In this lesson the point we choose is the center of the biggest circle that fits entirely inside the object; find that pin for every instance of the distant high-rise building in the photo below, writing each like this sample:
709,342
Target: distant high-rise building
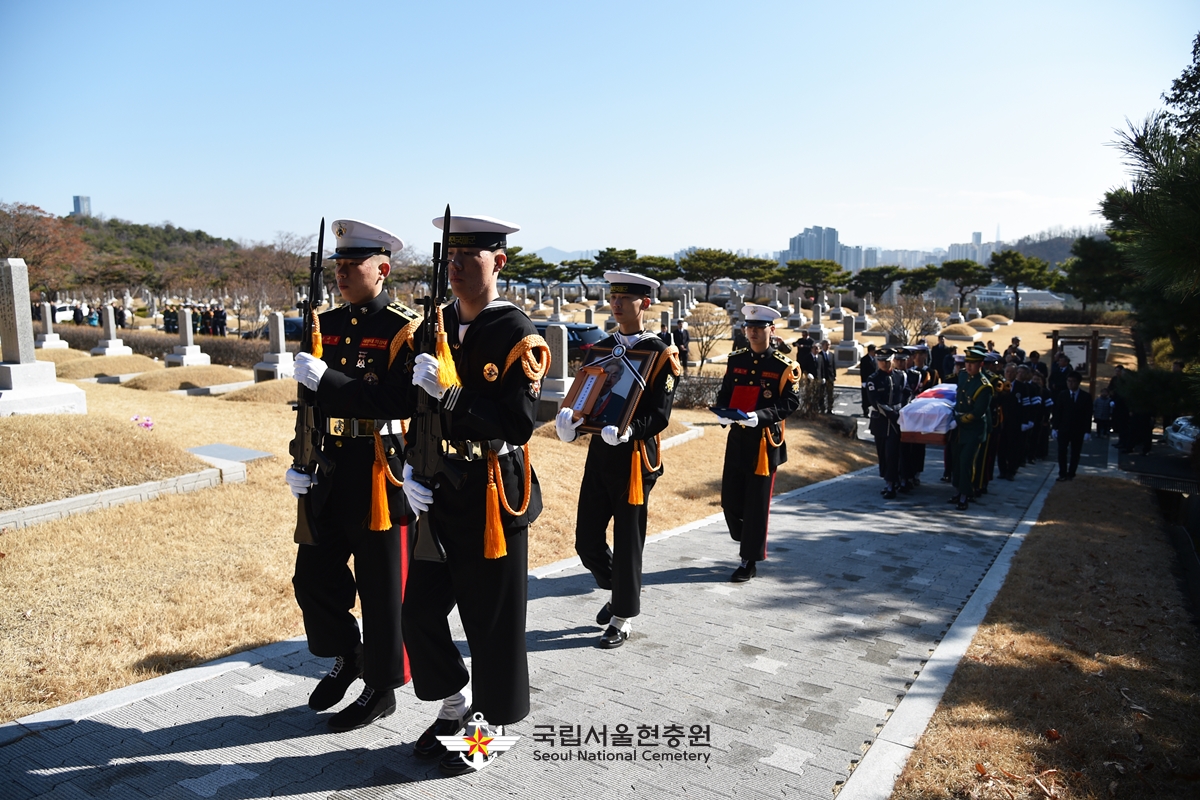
83,206
977,238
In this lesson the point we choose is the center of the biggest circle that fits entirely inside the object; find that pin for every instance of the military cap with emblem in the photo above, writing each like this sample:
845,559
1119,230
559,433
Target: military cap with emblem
759,315
630,283
357,239
484,233
975,353
883,354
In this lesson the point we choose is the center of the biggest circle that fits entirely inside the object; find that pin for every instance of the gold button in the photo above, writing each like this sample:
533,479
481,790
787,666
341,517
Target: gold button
353,321
338,443
347,340
391,451
343,361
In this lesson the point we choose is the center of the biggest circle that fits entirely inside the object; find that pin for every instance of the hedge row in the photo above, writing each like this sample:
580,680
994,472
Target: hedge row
221,349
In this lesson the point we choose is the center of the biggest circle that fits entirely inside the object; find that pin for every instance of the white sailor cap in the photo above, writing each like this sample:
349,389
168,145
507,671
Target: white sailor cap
484,233
630,283
358,239
759,315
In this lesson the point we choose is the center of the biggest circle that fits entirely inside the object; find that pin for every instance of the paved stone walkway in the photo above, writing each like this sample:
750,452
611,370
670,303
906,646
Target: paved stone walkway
766,689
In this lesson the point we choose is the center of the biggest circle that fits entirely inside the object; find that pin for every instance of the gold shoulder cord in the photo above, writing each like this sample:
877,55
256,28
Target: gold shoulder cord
405,336
534,355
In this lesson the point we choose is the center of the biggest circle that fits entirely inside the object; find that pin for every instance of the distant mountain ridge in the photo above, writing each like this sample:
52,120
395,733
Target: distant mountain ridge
552,255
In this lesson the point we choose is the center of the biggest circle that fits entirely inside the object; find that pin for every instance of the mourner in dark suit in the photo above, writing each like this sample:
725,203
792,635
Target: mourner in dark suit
357,340
763,383
1072,423
866,366
623,465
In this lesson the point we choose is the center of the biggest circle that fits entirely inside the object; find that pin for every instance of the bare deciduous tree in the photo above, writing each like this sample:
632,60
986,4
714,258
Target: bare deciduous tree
707,325
909,320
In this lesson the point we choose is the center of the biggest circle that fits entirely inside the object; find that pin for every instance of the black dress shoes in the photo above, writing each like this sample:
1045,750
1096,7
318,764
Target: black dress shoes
428,746
612,638
332,688
963,505
370,706
744,573
605,615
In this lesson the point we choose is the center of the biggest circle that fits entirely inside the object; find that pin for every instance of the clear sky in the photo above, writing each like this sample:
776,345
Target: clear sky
651,125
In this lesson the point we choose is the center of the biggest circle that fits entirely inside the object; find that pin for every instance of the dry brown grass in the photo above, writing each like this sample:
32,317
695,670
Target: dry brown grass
193,377
79,455
61,355
1084,673
104,366
282,390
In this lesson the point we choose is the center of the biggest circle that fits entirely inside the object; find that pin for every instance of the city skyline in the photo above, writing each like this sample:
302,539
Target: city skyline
655,126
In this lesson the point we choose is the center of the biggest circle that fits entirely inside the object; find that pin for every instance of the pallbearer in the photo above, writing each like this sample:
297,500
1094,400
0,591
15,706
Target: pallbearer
623,464
761,385
485,379
362,344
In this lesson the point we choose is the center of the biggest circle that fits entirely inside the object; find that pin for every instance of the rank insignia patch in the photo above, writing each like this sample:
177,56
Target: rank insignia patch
535,389
371,378
670,383
767,393
490,372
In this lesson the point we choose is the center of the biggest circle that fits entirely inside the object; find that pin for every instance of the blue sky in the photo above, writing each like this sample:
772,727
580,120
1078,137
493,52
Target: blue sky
652,125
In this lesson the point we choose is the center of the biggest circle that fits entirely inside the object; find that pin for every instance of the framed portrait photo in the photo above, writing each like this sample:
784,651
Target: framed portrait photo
608,386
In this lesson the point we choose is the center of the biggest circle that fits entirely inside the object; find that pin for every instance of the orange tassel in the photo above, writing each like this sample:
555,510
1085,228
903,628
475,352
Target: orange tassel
381,515
763,466
314,344
494,545
447,372
635,477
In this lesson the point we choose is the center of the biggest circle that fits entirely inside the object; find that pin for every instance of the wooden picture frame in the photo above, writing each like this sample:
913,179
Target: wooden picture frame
613,400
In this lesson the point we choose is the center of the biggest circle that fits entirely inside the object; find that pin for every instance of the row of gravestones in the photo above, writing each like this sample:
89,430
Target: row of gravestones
29,386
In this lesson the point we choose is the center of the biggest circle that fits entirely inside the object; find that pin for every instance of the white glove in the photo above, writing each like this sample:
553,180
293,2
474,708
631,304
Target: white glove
309,370
420,497
298,482
1028,426
751,420
565,425
723,420
425,375
609,434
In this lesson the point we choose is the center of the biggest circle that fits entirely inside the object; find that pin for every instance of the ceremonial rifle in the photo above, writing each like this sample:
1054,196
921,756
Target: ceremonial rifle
306,446
429,464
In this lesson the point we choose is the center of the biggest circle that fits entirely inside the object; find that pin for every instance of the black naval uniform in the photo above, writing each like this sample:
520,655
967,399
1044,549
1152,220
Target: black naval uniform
355,342
768,384
604,491
885,392
495,409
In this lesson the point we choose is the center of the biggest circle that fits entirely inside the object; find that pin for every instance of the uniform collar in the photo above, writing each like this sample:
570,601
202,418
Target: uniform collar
378,303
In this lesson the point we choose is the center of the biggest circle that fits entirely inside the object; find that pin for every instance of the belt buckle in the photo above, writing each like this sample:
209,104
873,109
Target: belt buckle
474,451
337,426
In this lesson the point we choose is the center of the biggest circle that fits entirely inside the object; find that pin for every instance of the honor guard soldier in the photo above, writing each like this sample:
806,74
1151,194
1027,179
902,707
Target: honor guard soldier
763,384
972,412
360,340
622,465
486,382
885,392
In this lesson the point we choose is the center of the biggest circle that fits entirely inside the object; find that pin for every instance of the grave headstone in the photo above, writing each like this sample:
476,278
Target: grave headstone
973,312
835,312
955,312
187,352
556,384
664,322
48,339
27,386
589,316
537,302
861,321
277,361
869,305
816,330
110,345
556,314
848,351
602,301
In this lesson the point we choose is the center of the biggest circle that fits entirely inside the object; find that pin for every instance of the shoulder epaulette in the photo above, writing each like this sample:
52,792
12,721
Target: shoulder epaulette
404,337
669,356
739,352
397,307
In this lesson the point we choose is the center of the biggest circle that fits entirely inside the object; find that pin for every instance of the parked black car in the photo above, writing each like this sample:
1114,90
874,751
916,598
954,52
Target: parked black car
580,338
293,329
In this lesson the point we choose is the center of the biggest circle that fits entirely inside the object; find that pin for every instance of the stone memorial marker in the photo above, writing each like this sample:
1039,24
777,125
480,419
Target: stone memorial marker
817,331
601,302
589,316
973,312
556,314
277,361
848,351
110,345
48,339
861,321
27,386
556,384
187,352
537,302
956,312
835,312
665,322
